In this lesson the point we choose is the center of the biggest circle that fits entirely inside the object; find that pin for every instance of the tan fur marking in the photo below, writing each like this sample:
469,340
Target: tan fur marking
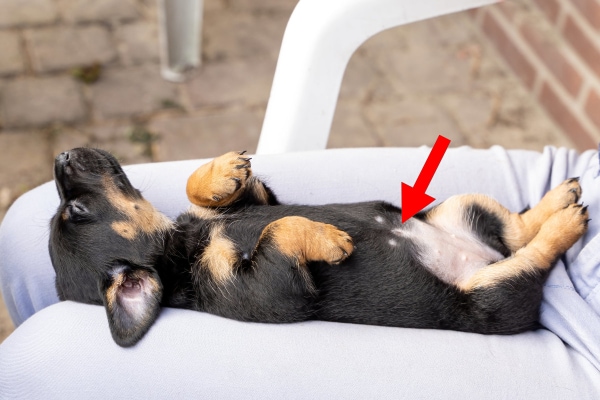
500,271
220,256
556,235
307,240
214,184
140,215
111,292
125,229
259,190
203,212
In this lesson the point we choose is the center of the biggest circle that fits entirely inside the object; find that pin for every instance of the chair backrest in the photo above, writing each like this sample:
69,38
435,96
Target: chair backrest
319,40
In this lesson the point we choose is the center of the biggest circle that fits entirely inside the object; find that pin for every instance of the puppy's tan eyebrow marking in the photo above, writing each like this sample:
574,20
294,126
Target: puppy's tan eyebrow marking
140,215
125,229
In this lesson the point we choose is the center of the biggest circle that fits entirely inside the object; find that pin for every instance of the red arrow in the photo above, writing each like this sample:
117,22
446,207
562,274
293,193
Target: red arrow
414,198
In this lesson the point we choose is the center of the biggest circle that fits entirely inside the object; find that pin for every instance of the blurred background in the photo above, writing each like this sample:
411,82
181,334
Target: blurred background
521,74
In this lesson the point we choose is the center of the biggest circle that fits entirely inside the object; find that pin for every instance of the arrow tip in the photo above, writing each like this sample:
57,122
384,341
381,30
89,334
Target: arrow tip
413,201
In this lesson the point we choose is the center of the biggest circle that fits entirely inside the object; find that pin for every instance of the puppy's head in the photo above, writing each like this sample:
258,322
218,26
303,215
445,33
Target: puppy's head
105,240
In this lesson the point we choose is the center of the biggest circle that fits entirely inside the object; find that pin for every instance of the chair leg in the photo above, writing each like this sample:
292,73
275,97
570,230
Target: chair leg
180,31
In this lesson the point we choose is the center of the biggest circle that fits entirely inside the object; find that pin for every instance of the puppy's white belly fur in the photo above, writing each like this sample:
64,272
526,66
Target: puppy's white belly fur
451,252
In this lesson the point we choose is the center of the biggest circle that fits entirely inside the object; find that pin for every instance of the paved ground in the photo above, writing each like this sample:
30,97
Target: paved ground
402,88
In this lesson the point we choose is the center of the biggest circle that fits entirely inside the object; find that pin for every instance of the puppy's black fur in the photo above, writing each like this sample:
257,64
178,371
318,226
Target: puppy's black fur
465,265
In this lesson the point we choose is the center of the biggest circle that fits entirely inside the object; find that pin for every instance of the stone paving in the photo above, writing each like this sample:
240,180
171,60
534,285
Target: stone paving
402,88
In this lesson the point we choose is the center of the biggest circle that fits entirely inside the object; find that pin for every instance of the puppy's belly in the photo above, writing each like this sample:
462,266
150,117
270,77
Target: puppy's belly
452,254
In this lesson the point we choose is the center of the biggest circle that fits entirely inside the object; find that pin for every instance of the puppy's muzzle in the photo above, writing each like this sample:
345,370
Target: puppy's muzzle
67,169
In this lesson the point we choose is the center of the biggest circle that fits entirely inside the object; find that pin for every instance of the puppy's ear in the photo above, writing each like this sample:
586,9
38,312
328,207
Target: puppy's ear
131,296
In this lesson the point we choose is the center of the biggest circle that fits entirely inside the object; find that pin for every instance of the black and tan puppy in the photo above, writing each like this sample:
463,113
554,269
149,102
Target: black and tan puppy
467,264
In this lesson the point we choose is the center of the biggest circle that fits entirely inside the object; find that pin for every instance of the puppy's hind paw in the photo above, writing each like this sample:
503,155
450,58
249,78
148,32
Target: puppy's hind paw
565,227
565,194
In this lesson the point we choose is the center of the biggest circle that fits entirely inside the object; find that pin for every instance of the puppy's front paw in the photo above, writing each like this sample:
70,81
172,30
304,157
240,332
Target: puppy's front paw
330,244
218,183
308,240
229,174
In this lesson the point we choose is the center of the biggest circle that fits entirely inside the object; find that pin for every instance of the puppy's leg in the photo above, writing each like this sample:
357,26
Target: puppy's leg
556,235
494,223
304,240
226,180
295,238
562,196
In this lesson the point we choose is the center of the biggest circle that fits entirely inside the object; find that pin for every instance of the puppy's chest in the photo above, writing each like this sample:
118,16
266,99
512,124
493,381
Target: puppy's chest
217,248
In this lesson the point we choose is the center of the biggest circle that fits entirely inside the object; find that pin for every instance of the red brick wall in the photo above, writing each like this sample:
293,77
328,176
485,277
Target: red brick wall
553,46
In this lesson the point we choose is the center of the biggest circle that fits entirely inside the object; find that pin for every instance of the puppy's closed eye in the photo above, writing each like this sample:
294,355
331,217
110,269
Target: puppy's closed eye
76,212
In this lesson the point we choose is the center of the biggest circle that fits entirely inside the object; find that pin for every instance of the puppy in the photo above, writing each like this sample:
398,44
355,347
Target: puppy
467,264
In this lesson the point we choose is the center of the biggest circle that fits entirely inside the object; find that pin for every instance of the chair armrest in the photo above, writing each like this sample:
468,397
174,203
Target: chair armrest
319,40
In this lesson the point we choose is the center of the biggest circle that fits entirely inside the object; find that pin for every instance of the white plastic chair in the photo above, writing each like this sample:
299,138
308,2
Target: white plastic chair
65,350
319,40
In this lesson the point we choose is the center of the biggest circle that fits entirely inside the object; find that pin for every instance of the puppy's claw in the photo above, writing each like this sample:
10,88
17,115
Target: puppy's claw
241,152
339,260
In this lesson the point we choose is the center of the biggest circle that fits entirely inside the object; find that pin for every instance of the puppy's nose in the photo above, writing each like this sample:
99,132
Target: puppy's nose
63,158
